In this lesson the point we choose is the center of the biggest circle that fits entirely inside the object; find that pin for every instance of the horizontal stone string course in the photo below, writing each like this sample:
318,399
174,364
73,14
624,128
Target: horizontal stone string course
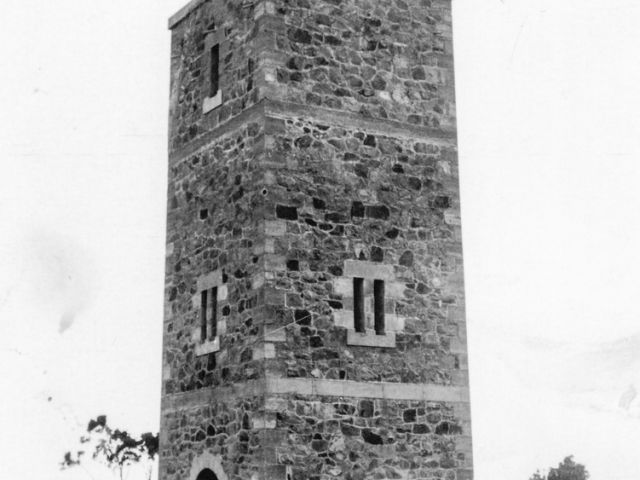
320,387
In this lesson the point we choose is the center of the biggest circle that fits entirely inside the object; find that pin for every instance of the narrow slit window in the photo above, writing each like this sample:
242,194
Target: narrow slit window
378,306
203,315
214,73
209,314
358,305
214,312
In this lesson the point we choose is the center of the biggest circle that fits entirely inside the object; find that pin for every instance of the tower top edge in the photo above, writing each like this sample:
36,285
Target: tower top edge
183,12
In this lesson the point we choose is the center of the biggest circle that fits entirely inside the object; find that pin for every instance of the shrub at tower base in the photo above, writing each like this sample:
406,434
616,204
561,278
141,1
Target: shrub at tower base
114,448
567,470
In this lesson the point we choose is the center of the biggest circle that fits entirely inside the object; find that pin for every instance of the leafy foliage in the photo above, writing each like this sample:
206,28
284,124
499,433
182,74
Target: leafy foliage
568,469
115,448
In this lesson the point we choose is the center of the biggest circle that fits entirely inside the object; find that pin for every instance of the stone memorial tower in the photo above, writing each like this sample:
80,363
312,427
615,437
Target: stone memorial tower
314,323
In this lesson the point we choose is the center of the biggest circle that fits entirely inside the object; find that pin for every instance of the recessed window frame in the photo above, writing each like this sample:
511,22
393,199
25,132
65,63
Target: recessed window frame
214,51
209,314
378,306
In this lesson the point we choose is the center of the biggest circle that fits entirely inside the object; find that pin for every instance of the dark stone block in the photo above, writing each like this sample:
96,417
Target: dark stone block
331,40
357,209
335,270
378,211
335,304
370,141
300,36
319,203
293,265
366,408
335,217
409,415
319,445
420,429
377,254
302,317
447,428
406,259
392,234
414,183
286,212
442,201
370,437
349,430
378,83
418,73
344,408
303,142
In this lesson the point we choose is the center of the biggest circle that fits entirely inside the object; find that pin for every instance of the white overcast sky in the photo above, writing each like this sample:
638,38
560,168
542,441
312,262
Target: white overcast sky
549,135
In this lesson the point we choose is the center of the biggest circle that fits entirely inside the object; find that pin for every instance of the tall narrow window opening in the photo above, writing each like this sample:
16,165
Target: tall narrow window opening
203,315
378,306
214,73
214,312
358,305
209,314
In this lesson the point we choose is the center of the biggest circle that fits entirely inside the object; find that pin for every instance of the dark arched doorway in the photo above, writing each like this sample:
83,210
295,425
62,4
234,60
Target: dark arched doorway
206,474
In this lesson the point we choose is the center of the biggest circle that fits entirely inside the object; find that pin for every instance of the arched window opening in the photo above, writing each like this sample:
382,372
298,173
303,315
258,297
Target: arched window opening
206,474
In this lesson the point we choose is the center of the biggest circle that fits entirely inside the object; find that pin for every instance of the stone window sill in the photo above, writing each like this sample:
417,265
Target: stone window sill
211,103
371,339
210,346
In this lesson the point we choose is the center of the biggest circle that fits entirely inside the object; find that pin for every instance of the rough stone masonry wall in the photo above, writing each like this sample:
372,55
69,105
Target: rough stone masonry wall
335,142
213,224
356,439
345,194
223,429
240,77
387,59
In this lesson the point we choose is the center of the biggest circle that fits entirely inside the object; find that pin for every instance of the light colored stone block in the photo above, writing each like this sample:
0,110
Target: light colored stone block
169,250
210,103
259,11
208,347
394,290
270,75
275,404
394,323
371,339
221,327
275,228
343,286
451,218
275,263
277,335
370,270
210,280
343,318
269,245
223,293
257,281
266,421
264,352
354,389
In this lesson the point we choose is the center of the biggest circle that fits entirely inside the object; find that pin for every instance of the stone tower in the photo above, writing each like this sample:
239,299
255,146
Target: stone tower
314,324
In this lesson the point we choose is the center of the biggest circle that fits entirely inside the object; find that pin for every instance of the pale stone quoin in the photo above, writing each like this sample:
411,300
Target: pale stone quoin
314,299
